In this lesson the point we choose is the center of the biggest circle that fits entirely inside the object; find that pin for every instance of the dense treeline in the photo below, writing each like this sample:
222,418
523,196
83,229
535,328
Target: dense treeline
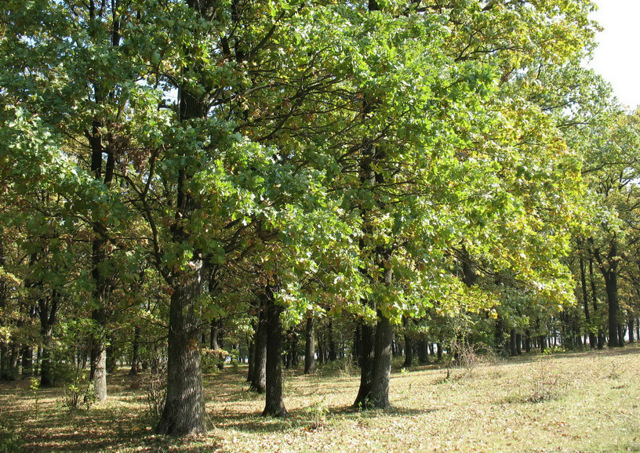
186,183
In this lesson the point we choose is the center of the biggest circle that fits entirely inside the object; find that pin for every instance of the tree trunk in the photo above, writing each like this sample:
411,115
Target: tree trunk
48,310
309,348
408,352
183,412
423,351
408,345
135,355
274,404
513,349
333,356
379,396
258,380
585,302
366,366
611,284
499,337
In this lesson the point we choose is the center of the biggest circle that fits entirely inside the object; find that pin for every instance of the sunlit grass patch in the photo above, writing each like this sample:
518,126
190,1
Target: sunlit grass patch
568,402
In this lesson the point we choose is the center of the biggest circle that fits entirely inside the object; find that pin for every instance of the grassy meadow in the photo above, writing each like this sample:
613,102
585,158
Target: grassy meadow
573,402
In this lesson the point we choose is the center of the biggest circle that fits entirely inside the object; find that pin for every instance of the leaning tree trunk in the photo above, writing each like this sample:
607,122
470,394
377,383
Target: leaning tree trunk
183,412
274,404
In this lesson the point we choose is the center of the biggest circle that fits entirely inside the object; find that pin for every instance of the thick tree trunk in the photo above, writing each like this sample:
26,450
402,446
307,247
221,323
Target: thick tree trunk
379,396
513,349
527,341
98,374
609,270
258,380
309,348
274,404
366,366
183,412
423,351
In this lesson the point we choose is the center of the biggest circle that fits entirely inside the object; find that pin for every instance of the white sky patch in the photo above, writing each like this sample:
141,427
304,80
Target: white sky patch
617,58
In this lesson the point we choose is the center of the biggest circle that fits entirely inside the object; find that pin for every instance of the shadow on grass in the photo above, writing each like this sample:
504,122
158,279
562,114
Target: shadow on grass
303,418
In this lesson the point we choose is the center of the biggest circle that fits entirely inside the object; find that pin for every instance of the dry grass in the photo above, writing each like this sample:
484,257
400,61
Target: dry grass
571,402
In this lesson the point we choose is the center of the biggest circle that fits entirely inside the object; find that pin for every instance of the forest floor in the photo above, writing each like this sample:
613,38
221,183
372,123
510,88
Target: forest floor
573,402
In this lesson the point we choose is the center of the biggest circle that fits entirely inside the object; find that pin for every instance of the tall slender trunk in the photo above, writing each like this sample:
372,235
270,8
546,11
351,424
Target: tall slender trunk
333,355
274,403
48,310
585,302
408,345
611,285
135,354
594,297
309,348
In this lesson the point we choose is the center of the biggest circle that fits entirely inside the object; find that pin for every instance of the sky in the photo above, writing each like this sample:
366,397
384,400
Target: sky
617,58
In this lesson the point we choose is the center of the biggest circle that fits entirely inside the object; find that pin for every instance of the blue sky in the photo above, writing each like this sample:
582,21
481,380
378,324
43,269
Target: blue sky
617,58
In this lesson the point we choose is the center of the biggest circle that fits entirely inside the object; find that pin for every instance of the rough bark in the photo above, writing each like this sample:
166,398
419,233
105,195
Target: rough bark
274,403
366,366
183,412
379,395
258,381
609,268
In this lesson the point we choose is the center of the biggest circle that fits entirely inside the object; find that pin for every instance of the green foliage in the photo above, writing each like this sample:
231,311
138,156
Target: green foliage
430,161
79,393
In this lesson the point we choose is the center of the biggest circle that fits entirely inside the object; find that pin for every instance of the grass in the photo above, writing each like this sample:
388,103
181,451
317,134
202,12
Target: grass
582,402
